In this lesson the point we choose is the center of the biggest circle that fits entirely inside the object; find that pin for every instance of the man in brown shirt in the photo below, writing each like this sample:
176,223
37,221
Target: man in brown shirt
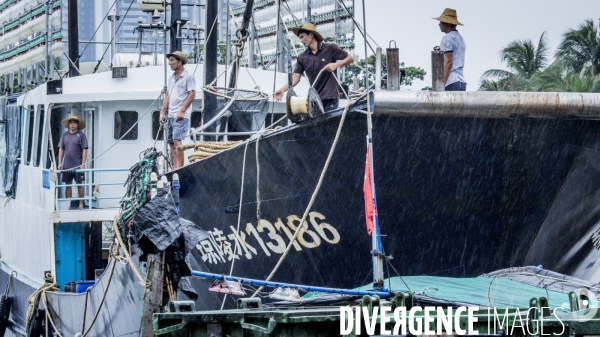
318,56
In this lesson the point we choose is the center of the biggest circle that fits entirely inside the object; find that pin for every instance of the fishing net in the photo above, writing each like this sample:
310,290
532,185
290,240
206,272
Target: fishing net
247,108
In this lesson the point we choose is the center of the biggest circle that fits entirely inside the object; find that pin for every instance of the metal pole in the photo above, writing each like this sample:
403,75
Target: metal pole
337,22
393,67
227,46
73,39
280,40
140,37
437,69
210,48
165,44
308,11
113,21
48,37
251,45
377,68
375,238
175,16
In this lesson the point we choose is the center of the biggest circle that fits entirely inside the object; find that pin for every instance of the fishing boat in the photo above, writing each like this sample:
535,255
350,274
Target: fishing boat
466,183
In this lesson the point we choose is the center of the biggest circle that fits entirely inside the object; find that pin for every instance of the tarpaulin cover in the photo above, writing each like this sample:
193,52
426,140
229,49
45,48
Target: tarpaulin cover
158,222
512,287
162,229
13,148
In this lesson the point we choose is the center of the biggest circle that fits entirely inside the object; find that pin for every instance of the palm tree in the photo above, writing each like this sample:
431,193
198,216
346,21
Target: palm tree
580,48
559,77
523,59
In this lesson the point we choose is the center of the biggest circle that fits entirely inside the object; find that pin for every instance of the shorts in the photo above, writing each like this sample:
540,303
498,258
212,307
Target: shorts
456,86
68,176
177,130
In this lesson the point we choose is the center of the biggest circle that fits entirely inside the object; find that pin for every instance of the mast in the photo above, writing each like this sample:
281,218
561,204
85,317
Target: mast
377,251
73,39
210,63
176,44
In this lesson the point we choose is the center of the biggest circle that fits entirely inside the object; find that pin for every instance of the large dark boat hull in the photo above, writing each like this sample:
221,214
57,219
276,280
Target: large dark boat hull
456,197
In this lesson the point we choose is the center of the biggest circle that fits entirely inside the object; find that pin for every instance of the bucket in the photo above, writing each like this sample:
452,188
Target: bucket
70,287
63,205
81,286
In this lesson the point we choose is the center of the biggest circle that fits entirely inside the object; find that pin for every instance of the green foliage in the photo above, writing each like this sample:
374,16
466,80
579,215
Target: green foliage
353,71
575,69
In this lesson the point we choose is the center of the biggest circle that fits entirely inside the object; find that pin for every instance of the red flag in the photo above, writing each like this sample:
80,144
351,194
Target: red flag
370,210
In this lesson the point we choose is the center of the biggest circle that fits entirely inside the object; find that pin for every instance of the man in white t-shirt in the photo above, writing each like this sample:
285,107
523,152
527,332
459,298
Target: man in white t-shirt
181,91
453,47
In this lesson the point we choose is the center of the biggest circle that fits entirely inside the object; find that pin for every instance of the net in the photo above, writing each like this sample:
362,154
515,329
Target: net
247,108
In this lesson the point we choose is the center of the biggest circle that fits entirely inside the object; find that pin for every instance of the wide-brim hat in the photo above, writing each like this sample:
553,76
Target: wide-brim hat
309,27
179,55
449,16
65,122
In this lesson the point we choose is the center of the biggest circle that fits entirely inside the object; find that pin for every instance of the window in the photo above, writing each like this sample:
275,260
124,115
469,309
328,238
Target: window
30,124
37,158
125,120
156,126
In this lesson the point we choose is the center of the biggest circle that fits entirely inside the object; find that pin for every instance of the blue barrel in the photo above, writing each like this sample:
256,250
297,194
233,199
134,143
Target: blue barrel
81,286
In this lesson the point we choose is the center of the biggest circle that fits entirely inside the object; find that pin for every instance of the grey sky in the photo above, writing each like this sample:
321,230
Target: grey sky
488,27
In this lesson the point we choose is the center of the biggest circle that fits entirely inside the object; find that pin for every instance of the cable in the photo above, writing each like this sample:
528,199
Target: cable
123,136
91,38
113,37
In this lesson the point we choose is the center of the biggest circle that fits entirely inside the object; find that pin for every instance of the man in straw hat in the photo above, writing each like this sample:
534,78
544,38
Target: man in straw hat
72,154
453,47
318,56
181,91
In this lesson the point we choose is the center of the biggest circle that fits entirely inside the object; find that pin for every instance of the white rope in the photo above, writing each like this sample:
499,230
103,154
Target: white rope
314,195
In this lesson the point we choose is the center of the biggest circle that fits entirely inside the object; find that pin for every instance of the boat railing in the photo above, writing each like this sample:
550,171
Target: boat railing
92,184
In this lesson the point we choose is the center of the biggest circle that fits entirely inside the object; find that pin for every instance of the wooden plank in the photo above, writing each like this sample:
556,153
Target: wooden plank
153,296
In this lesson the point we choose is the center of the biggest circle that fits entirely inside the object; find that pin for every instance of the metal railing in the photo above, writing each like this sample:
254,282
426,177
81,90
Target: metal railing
90,183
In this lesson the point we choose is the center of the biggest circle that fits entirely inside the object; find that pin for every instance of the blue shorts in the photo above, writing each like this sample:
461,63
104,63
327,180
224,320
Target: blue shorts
69,175
456,86
178,130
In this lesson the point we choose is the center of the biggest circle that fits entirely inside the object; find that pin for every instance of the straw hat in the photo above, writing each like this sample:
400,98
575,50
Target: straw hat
65,122
309,27
179,55
449,16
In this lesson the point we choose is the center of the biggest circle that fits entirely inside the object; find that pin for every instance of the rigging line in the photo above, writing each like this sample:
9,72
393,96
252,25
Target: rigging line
360,27
239,213
113,37
205,40
287,8
257,40
315,192
91,38
397,273
123,136
288,34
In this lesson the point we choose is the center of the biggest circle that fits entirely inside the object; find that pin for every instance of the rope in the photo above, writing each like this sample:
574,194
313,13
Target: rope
206,149
112,270
34,298
239,221
87,293
129,260
314,195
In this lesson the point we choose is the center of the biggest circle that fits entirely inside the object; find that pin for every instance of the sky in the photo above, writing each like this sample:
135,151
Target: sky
488,27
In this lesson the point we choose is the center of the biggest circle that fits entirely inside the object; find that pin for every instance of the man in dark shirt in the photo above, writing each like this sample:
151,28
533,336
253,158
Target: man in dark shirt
72,154
318,56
